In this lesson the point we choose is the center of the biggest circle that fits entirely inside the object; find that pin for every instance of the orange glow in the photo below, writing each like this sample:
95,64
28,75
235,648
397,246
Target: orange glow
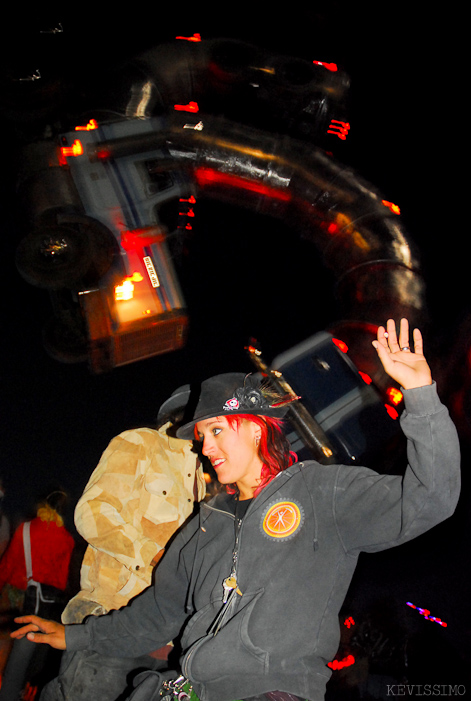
393,207
195,37
75,150
339,128
341,345
254,350
330,66
125,291
190,107
209,176
394,395
92,124
366,378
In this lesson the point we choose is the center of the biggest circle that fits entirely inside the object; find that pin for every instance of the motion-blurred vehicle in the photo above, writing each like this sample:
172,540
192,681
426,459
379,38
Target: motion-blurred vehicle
97,243
339,415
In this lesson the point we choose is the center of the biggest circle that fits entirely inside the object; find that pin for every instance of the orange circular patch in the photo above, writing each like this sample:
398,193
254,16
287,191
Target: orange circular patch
282,519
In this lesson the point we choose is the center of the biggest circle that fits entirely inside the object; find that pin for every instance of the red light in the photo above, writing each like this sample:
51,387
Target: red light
366,378
209,176
195,37
395,395
426,614
29,693
131,240
190,107
339,128
333,228
330,66
340,664
341,345
102,153
393,207
391,411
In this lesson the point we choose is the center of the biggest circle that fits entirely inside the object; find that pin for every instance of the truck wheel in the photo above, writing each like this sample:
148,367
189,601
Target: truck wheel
63,342
53,257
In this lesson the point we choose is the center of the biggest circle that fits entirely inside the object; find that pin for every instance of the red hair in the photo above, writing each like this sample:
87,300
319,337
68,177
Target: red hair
274,449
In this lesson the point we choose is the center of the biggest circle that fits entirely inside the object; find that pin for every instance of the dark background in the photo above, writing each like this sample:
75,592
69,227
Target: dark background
408,137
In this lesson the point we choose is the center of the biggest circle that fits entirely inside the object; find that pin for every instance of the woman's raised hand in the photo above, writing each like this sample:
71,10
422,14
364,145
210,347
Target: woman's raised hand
405,364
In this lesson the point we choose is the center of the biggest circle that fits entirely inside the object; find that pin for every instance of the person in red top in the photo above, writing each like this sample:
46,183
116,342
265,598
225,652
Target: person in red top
37,562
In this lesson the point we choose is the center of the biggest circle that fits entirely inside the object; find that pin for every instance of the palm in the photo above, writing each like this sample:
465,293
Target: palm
408,367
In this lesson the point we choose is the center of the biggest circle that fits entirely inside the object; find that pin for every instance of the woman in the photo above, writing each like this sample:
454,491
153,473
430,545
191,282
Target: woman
255,583
36,563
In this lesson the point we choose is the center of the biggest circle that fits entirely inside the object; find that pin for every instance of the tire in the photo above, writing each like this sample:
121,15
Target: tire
53,257
64,342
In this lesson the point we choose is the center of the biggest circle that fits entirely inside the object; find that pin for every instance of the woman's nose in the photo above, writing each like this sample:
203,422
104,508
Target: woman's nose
208,446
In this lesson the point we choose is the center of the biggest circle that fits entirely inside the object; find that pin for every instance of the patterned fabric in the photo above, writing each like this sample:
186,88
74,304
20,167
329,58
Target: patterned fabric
141,492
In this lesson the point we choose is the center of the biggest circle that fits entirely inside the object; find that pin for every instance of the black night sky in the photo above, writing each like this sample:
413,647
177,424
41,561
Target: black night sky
407,138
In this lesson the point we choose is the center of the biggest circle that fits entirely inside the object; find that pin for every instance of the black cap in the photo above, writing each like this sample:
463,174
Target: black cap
174,405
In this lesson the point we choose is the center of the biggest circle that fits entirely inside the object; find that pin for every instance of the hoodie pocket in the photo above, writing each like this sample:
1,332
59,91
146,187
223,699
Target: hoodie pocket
215,656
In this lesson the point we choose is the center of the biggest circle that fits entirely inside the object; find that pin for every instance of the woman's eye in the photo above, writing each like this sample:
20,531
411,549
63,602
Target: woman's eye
216,431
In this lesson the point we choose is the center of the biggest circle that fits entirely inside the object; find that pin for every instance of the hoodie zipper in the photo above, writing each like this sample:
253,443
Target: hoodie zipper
230,586
231,591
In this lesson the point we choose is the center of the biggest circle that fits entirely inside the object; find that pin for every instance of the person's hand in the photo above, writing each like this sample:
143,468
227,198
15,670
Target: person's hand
404,364
40,630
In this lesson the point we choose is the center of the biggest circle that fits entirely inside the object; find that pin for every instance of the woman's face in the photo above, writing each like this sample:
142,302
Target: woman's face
233,452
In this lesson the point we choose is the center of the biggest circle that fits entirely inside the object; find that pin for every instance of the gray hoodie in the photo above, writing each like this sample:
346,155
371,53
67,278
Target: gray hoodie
297,550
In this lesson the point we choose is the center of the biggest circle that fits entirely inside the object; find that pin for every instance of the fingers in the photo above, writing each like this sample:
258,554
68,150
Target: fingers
32,624
29,619
40,630
404,343
418,342
394,343
392,336
21,632
51,635
387,338
382,338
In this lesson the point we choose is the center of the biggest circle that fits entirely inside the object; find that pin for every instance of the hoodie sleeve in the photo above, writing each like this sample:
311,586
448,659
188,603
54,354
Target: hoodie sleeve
374,512
151,619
